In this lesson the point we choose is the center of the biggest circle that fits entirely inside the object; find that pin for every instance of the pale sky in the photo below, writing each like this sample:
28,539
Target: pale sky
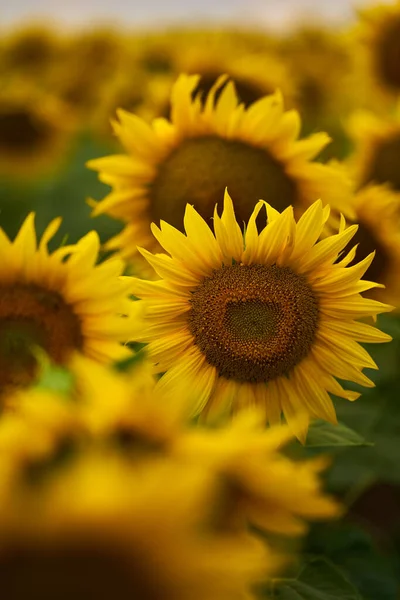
145,13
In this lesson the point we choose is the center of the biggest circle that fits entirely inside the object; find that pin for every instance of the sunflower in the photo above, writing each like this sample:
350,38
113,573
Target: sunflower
30,50
255,152
270,319
60,302
250,480
380,236
88,63
117,536
379,34
377,148
35,130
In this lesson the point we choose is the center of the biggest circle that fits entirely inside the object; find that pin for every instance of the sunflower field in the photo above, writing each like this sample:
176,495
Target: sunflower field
199,312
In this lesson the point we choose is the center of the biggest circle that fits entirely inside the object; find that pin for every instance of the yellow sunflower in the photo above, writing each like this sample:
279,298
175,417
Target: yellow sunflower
29,50
116,536
379,34
377,148
35,130
254,151
381,236
269,319
60,302
250,480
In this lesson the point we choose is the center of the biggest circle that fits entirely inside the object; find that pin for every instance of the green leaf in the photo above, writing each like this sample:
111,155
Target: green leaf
317,580
323,434
56,379
131,362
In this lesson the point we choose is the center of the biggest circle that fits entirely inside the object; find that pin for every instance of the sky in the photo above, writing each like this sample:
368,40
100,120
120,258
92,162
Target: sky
277,14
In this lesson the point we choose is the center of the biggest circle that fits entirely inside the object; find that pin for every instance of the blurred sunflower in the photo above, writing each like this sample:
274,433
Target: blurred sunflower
269,319
255,74
35,130
379,33
89,62
30,50
381,236
255,152
60,302
117,536
253,482
259,485
376,154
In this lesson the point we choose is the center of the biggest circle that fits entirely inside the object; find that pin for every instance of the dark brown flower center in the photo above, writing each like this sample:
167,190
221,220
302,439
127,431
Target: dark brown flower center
198,171
247,91
254,322
32,317
385,163
21,131
387,59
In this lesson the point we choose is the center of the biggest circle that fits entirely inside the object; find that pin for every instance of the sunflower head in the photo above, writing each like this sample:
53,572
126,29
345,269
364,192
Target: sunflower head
30,50
116,535
377,148
204,148
35,130
269,318
57,302
379,33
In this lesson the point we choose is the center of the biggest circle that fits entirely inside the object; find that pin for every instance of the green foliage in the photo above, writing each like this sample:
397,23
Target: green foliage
54,378
373,571
317,579
325,435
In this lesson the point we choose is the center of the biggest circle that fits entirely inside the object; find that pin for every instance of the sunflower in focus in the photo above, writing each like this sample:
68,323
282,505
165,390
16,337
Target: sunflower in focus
381,236
268,319
35,130
379,33
376,154
60,302
203,149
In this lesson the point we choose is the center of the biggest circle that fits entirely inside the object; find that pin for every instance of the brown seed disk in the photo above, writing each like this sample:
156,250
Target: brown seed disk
199,170
31,316
21,132
254,322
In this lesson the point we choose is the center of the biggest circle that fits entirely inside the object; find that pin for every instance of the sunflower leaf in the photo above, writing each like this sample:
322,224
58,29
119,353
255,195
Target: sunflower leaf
56,379
323,434
318,580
